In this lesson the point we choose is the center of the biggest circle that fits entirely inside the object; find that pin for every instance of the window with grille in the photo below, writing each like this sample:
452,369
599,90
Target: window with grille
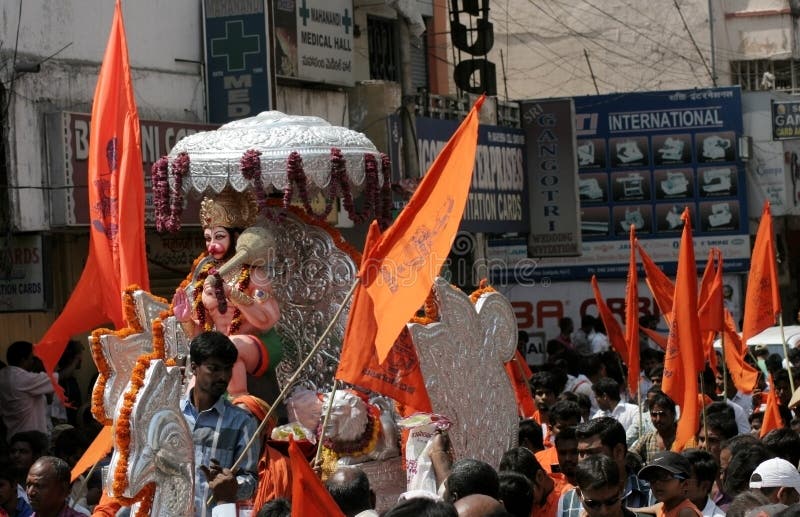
765,74
384,62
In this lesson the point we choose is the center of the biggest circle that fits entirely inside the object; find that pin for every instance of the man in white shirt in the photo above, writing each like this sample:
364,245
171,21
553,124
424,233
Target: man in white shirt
704,473
606,391
23,394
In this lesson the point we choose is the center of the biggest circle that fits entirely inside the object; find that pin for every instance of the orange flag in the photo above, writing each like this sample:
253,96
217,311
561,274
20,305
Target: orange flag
615,335
116,206
744,376
772,415
632,318
399,271
520,374
309,496
659,283
101,445
762,301
657,337
711,305
399,377
680,366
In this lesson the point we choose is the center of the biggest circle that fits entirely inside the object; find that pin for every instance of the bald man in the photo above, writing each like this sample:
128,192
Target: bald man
479,505
350,488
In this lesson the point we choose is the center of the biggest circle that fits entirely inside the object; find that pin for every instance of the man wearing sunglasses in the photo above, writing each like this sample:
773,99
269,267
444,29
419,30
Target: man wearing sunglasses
600,488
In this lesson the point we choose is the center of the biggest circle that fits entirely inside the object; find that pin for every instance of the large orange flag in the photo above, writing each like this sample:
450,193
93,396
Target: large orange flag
519,374
772,415
744,376
762,302
680,367
399,271
615,334
659,283
399,377
309,496
116,206
632,318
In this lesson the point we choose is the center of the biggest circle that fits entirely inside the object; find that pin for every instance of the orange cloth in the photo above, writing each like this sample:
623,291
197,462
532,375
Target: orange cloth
762,304
107,507
680,366
400,377
744,376
675,511
399,270
100,446
116,207
548,509
274,477
613,329
519,374
772,415
309,496
547,458
660,285
632,318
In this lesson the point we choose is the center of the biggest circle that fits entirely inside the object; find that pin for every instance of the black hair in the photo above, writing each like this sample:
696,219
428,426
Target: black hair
18,351
591,364
742,465
71,351
471,476
721,418
661,400
565,323
568,433
352,493
212,344
69,442
516,492
587,321
783,443
422,507
36,439
280,507
609,430
607,386
774,363
531,431
597,471
704,466
522,461
746,501
547,381
564,410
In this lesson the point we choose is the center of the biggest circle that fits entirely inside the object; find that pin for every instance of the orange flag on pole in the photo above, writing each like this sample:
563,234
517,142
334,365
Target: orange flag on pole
772,415
762,302
519,374
744,376
632,318
680,366
399,377
117,256
711,305
100,446
309,495
613,330
398,273
660,285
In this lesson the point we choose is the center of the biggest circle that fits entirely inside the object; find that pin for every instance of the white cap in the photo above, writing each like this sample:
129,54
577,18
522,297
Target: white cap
776,472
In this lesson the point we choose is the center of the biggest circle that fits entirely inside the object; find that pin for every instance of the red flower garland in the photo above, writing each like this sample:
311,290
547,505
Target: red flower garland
160,186
180,168
250,166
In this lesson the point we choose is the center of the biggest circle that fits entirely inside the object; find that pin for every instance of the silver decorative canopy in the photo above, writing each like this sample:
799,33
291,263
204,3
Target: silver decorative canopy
216,155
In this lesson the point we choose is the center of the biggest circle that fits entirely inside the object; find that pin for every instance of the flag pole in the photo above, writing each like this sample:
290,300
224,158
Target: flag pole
325,422
786,352
724,365
293,379
703,406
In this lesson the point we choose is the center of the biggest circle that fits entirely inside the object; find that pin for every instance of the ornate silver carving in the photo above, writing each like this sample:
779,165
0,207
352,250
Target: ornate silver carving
215,155
147,308
161,448
310,279
121,356
462,360
387,478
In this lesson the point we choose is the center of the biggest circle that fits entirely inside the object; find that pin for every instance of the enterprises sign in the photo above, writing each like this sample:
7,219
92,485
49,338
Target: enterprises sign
238,68
555,222
497,201
785,120
314,40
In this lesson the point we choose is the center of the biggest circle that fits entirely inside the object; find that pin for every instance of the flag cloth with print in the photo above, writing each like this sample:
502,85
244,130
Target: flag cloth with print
762,303
117,256
309,495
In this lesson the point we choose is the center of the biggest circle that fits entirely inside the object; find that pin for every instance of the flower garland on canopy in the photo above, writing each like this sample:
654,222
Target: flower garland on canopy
168,201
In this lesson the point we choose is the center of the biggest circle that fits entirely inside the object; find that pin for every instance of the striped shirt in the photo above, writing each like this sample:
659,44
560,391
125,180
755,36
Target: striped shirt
637,495
221,432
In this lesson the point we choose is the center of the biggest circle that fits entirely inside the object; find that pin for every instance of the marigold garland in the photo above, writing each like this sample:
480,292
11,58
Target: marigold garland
333,449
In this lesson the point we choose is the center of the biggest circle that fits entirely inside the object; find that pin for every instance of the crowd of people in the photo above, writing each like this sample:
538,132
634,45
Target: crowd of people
590,448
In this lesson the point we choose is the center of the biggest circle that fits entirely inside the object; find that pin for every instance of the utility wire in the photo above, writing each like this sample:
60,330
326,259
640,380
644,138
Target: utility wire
691,37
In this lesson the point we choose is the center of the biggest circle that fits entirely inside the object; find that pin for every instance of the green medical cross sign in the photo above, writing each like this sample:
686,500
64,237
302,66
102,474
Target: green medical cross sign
235,46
